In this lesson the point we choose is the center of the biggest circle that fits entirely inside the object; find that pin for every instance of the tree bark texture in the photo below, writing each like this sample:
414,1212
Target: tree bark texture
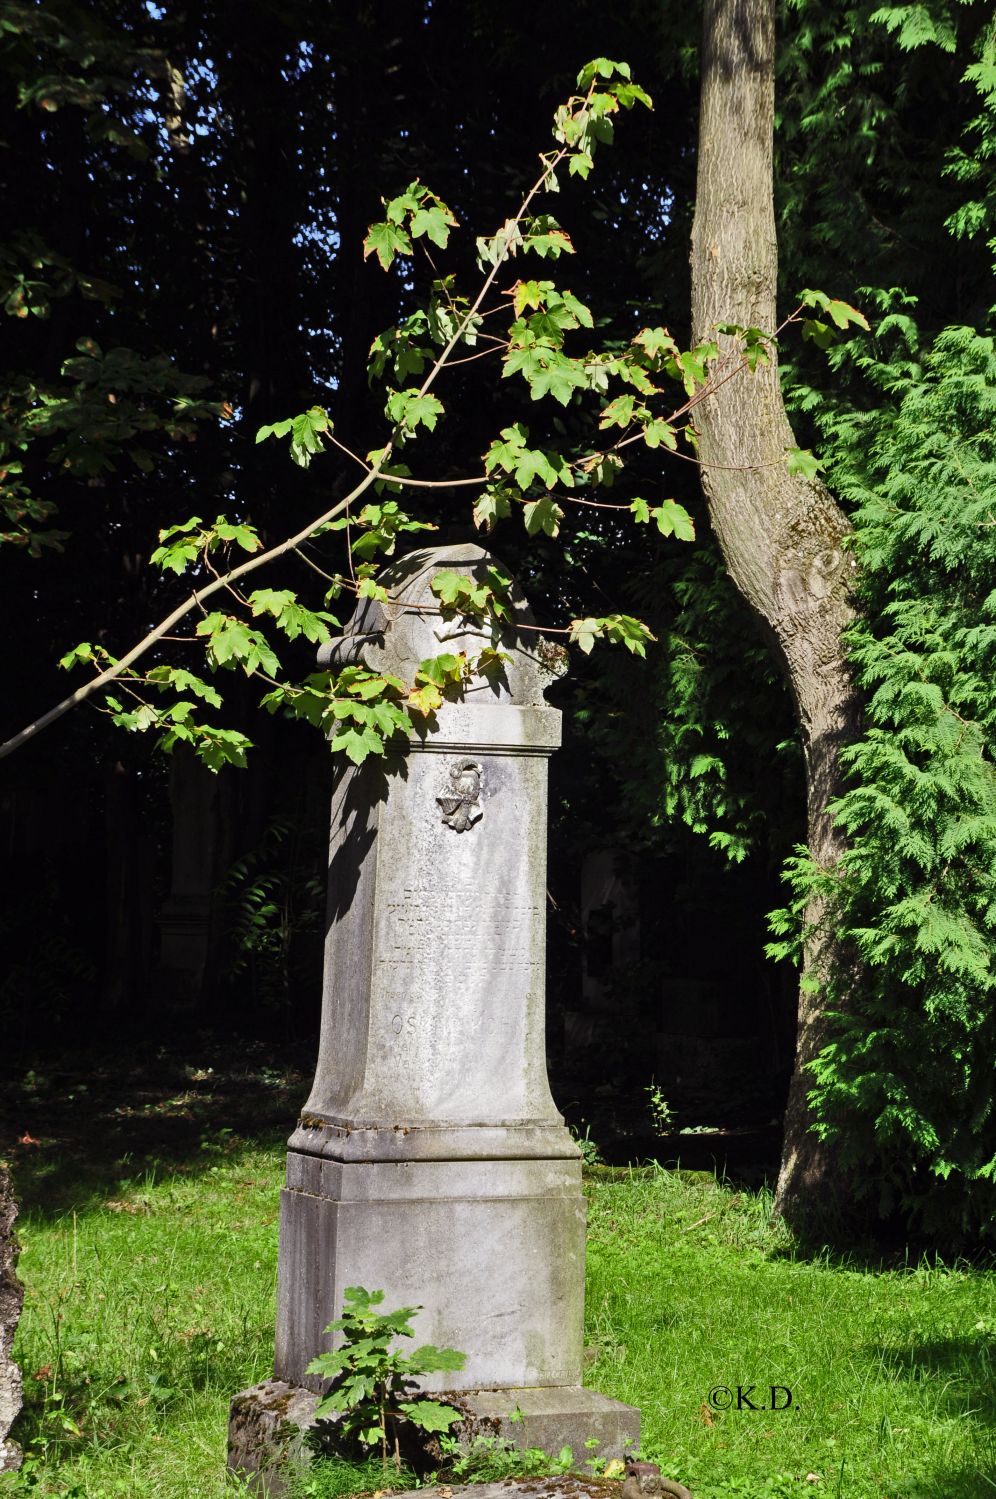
781,537
11,1300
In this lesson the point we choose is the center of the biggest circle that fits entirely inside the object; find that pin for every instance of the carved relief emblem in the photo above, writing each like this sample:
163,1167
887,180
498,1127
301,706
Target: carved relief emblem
461,804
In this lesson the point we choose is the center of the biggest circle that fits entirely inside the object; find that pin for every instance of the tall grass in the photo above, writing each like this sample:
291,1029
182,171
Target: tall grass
142,1317
145,1312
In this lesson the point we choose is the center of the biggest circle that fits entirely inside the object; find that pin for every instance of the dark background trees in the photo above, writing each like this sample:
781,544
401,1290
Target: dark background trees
214,168
231,227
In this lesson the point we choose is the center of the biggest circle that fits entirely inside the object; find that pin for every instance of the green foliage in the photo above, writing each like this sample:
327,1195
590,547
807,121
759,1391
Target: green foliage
494,1460
887,121
140,1320
291,615
661,1113
971,164
409,216
96,412
584,123
915,26
465,596
378,527
905,1085
232,642
670,518
409,409
108,408
588,1148
341,1478
510,455
837,316
305,432
802,464
33,276
184,543
711,741
620,629
373,1381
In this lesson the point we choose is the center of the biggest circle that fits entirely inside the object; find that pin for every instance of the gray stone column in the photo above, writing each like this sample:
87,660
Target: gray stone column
430,1160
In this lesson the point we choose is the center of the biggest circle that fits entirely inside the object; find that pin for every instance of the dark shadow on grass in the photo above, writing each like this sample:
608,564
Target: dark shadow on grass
77,1126
866,1242
746,1158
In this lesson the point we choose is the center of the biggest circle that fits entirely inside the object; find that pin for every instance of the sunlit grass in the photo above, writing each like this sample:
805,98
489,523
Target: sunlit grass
147,1312
891,1372
142,1319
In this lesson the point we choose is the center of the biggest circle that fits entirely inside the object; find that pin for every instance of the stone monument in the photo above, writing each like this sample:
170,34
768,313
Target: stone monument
430,1160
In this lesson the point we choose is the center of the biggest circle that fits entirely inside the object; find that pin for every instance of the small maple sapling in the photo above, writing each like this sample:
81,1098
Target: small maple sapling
374,1381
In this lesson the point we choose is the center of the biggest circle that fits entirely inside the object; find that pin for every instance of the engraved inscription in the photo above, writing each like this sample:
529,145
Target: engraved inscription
461,803
440,930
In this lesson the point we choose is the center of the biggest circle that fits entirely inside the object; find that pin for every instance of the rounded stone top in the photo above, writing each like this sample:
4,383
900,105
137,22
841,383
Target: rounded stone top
412,625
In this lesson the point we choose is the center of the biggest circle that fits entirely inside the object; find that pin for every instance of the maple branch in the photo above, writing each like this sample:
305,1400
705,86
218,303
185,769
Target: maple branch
196,600
292,543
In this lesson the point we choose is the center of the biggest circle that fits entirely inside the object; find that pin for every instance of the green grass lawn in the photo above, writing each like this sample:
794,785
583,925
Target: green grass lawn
147,1309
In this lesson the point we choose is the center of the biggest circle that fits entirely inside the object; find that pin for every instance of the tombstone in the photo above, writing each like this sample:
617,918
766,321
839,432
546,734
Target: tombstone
186,920
610,921
430,1160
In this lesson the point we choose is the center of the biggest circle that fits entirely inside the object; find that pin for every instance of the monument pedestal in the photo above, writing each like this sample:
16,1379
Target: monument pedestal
492,1250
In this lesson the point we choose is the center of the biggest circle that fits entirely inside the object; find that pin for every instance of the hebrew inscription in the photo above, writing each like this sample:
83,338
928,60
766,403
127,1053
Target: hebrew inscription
435,930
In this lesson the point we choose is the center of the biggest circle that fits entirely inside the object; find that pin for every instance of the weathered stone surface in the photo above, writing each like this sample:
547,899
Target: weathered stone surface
551,1419
267,1430
570,1486
430,1160
397,635
11,1301
433,1037
493,1251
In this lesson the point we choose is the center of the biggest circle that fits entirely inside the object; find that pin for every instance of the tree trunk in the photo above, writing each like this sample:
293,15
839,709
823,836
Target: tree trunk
781,537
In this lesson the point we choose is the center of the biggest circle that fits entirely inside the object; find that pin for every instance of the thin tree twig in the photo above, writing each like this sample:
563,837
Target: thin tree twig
481,354
403,479
314,565
196,600
698,1223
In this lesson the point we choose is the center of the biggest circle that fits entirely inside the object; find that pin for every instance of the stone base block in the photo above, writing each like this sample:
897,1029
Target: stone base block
491,1250
551,1418
269,1426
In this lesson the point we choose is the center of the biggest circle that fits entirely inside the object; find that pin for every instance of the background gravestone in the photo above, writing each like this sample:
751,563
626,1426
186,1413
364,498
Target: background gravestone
430,1160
